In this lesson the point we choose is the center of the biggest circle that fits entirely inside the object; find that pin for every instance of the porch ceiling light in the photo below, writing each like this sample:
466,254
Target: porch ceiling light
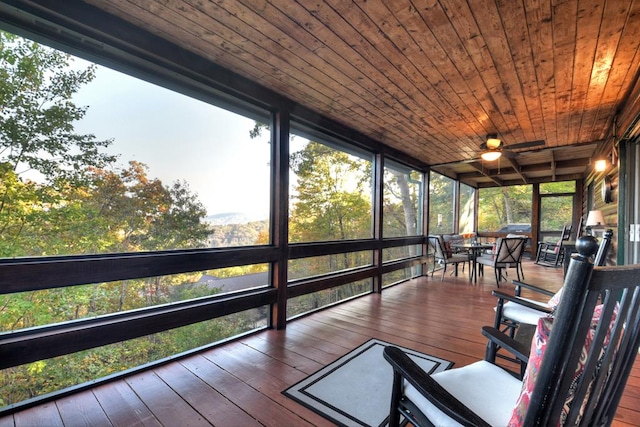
491,155
492,142
493,145
600,165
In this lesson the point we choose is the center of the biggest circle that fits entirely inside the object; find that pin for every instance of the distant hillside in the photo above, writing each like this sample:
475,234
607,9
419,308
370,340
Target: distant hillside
244,234
232,218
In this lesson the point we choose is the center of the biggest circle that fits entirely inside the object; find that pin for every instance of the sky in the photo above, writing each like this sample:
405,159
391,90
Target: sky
179,138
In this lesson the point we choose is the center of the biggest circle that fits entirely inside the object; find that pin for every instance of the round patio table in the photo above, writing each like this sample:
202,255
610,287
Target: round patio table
475,250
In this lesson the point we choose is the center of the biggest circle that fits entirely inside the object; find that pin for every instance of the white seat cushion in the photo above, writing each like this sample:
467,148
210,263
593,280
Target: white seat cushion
486,389
521,314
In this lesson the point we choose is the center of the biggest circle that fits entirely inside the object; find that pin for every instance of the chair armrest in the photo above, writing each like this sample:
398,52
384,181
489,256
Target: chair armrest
517,300
429,388
519,350
518,284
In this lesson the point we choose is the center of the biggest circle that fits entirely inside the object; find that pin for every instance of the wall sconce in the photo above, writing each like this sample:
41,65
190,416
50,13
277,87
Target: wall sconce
600,165
595,220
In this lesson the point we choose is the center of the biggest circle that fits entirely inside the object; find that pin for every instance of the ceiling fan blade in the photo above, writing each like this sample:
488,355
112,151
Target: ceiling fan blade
527,144
509,154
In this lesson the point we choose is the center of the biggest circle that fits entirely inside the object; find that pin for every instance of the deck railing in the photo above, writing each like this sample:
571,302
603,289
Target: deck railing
30,274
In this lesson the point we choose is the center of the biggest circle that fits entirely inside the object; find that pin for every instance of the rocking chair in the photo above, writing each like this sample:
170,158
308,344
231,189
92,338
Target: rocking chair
575,375
513,310
552,254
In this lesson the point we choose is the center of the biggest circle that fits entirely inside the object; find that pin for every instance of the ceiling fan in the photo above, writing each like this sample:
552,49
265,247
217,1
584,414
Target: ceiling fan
494,147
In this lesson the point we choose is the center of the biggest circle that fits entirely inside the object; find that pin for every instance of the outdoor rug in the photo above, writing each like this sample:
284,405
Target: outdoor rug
355,390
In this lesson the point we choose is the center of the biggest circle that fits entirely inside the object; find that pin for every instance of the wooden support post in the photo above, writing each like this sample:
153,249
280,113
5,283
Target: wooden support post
280,214
378,198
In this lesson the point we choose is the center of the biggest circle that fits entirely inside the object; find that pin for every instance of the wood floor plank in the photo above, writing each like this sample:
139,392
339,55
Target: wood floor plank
163,402
46,414
82,409
258,405
216,408
123,406
276,346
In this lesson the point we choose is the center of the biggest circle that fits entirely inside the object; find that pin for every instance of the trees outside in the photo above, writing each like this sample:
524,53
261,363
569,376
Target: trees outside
60,194
556,205
332,195
499,206
441,199
331,200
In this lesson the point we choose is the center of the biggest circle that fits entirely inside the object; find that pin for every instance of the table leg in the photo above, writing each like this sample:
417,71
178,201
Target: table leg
474,257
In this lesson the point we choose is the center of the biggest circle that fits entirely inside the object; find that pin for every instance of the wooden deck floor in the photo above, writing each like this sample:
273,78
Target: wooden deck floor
240,383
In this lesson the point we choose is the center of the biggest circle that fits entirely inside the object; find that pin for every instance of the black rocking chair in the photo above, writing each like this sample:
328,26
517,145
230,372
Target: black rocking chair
577,377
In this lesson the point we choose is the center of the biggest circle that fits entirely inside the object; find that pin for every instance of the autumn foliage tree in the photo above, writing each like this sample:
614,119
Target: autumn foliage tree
62,194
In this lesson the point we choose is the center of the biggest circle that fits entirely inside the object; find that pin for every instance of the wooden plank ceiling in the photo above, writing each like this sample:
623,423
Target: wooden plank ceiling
430,77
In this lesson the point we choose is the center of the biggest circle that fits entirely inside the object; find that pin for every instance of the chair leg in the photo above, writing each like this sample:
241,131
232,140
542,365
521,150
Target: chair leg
444,271
498,276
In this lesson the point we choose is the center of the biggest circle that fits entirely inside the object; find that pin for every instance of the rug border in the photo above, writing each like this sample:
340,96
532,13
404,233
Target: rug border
351,354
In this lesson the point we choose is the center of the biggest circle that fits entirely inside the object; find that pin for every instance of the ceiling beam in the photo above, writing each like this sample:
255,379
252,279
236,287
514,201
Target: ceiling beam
480,168
517,168
568,177
526,169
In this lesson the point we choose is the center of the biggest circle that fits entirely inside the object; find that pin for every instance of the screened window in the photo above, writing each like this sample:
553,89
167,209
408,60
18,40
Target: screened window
330,189
311,302
50,375
505,209
467,209
556,208
334,263
558,187
441,204
402,205
123,165
116,164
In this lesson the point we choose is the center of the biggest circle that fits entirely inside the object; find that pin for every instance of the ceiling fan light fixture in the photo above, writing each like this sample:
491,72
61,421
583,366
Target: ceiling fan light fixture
491,155
493,142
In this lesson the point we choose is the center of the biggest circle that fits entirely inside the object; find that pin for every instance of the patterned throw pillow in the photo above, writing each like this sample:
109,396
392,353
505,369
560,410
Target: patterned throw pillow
538,347
558,245
555,300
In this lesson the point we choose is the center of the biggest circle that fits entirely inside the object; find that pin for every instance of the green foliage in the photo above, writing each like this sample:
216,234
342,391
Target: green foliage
228,235
440,204
401,203
333,196
36,124
310,302
44,376
60,194
499,206
558,187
